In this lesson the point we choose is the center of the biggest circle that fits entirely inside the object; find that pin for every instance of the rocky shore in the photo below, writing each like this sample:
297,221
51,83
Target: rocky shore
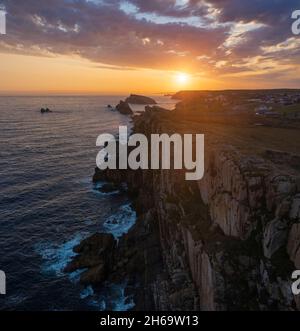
228,242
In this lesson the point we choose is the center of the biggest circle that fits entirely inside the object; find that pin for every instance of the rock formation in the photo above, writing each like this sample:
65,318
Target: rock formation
124,108
140,100
228,242
95,255
46,110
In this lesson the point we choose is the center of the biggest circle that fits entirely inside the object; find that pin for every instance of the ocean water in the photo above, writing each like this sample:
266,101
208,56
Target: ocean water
48,202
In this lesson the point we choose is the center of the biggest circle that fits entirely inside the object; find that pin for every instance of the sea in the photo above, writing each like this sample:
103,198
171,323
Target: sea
49,204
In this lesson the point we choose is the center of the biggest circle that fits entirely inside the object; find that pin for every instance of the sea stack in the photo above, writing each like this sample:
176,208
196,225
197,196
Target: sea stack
124,108
135,99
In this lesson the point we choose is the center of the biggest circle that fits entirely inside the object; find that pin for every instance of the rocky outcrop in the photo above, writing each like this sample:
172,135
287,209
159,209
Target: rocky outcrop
46,111
124,108
140,100
228,242
95,255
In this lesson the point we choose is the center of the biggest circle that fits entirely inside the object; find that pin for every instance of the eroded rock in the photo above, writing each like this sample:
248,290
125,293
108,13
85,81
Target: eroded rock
124,108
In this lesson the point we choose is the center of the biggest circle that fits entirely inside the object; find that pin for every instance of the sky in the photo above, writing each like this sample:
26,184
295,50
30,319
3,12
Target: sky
147,46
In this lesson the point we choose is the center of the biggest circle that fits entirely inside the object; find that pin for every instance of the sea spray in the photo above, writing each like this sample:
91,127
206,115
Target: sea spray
121,222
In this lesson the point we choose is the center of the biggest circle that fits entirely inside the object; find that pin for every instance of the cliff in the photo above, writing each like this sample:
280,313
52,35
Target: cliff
228,242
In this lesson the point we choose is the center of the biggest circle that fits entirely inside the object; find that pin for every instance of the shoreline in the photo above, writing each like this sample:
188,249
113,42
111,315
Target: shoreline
204,245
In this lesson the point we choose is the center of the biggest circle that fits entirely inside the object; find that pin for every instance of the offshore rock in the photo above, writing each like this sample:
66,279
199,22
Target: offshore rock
135,99
124,108
46,110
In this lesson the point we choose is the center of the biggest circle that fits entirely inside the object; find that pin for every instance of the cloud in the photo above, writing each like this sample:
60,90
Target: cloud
215,36
102,32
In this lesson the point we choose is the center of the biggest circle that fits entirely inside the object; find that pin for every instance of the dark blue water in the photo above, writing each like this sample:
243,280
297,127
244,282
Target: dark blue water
48,202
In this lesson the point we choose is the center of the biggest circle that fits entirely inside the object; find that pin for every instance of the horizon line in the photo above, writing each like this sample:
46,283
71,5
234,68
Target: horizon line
83,94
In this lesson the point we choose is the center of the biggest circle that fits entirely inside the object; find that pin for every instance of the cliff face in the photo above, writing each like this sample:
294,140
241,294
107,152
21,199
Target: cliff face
228,242
256,206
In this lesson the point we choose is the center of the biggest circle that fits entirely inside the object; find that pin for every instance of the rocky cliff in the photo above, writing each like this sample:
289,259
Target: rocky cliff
228,242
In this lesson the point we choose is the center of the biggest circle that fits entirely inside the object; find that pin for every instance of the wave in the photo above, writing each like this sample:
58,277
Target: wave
56,257
121,222
111,298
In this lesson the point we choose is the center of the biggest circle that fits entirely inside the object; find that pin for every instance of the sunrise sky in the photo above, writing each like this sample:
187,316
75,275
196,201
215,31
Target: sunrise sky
117,46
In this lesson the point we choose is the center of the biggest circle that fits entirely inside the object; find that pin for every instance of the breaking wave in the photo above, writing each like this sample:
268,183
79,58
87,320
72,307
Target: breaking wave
121,222
56,257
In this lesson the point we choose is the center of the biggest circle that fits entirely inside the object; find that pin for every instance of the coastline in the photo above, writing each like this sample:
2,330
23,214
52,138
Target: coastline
203,245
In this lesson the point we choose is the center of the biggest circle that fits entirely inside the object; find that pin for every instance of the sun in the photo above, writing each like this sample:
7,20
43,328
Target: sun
182,78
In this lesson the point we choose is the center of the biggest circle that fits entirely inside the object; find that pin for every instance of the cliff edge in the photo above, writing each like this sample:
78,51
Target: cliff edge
228,242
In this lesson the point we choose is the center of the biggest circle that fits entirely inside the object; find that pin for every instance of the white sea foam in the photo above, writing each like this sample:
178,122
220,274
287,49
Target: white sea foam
121,222
113,298
87,292
56,257
122,303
